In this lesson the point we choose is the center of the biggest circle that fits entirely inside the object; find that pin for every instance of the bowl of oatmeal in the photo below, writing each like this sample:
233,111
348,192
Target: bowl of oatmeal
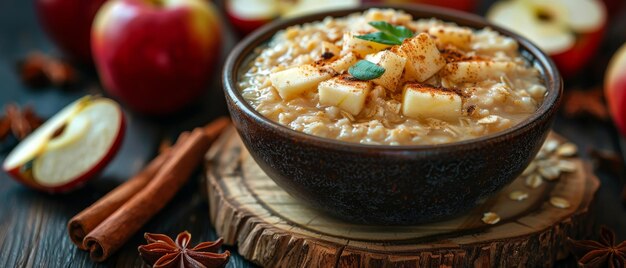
391,115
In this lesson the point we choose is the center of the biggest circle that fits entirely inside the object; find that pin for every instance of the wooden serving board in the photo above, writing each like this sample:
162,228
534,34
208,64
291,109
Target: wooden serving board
273,229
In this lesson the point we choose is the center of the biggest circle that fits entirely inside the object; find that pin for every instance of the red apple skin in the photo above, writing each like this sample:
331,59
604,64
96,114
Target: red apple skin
156,59
615,89
68,23
245,26
573,60
80,180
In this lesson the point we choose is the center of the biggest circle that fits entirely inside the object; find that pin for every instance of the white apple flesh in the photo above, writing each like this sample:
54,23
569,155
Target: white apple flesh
70,148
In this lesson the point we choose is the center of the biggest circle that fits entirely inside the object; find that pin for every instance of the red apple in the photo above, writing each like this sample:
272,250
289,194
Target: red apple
615,88
463,5
69,148
156,55
568,30
68,22
248,15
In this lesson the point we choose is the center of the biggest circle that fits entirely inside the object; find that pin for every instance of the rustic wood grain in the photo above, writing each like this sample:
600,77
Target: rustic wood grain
275,230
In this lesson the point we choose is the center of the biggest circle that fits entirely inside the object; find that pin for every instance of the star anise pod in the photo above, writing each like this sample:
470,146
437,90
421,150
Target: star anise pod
602,253
162,251
39,70
21,121
580,103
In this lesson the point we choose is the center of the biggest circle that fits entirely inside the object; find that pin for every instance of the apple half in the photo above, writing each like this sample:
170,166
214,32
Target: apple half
615,88
290,8
570,31
248,15
70,148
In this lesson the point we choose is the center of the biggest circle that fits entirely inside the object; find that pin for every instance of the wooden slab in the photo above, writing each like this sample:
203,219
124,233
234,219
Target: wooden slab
273,229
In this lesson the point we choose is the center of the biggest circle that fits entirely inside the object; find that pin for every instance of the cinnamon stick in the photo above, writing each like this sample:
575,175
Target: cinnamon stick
88,219
115,230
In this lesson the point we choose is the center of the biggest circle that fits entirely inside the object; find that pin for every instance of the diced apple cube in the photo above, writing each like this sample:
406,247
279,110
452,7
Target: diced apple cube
421,101
344,92
423,59
359,46
292,82
476,71
342,64
456,36
394,66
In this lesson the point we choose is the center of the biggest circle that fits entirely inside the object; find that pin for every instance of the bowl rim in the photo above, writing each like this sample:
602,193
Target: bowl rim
549,73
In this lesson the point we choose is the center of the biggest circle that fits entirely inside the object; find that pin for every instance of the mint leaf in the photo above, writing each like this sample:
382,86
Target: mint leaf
400,32
366,70
380,37
388,35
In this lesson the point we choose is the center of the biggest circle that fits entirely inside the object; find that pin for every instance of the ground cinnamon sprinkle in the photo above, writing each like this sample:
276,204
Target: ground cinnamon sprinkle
430,88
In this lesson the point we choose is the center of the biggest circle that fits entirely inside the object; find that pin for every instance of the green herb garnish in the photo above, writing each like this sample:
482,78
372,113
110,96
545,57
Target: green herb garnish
389,34
366,70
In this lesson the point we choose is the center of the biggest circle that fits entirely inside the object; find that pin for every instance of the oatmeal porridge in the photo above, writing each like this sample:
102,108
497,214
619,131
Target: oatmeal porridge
381,77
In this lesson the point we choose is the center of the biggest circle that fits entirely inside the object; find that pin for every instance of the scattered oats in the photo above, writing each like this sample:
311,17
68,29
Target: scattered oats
489,119
534,181
559,202
566,166
541,154
550,145
549,162
490,218
550,173
567,149
518,195
530,169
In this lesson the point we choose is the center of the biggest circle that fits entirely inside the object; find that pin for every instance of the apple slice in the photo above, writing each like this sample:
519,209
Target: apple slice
248,15
290,8
568,30
70,148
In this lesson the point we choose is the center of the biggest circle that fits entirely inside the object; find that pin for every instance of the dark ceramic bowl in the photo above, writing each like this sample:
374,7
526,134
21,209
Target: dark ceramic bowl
382,184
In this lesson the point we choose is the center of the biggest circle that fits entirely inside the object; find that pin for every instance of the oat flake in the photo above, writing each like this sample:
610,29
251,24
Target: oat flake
550,145
567,149
550,173
518,195
566,166
534,181
489,119
530,169
490,218
559,202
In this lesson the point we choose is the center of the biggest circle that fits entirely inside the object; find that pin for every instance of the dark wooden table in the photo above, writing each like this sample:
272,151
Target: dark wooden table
32,224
